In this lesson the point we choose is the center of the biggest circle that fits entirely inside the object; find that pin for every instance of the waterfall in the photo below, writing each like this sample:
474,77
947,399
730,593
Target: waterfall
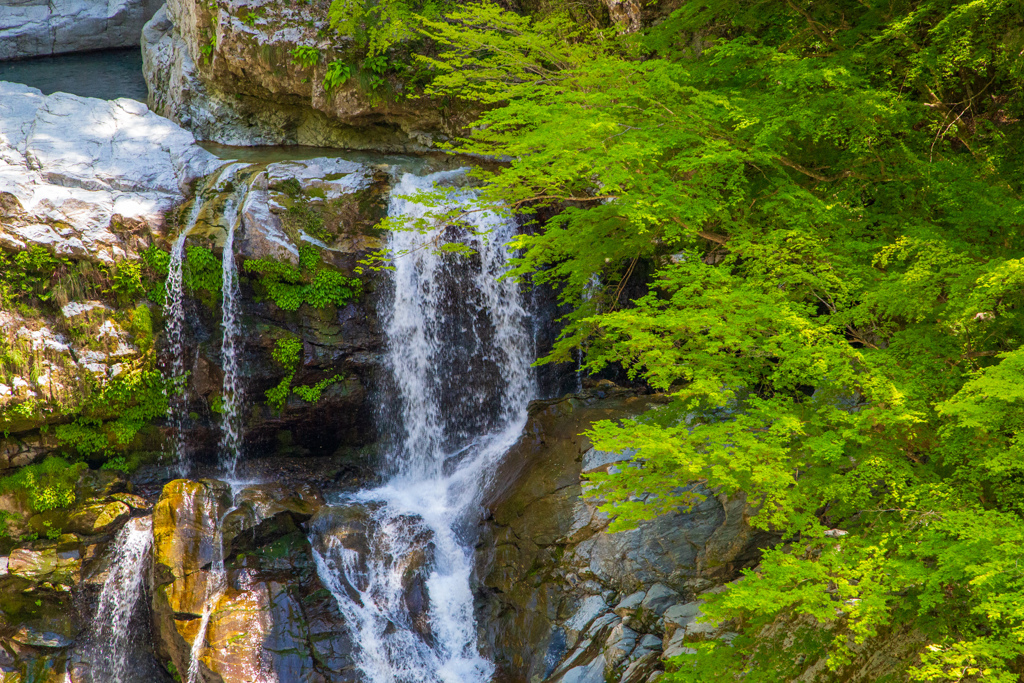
231,321
459,353
112,635
174,312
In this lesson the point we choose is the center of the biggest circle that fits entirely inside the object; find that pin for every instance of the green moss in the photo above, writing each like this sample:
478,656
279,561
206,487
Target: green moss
47,485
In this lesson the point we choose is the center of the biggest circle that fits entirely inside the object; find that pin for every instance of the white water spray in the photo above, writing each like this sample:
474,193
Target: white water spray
112,637
459,351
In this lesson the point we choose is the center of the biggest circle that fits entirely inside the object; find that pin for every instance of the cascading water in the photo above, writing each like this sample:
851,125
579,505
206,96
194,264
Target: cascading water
459,352
112,635
231,320
231,426
174,312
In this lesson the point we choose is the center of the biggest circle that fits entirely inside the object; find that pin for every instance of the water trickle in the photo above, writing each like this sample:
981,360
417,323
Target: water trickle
459,352
174,312
216,585
231,321
112,636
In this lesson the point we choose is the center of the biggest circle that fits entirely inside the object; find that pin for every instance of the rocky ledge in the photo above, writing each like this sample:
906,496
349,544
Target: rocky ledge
225,71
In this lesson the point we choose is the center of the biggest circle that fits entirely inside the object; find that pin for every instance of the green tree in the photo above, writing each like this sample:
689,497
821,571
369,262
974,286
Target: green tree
829,198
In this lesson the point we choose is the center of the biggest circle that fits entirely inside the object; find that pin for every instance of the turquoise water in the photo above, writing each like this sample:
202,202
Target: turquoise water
107,74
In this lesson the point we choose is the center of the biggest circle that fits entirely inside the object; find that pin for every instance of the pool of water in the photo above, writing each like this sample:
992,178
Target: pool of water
107,74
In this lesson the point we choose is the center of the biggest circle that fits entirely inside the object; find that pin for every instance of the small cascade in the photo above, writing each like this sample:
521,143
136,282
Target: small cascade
459,352
231,321
112,635
174,312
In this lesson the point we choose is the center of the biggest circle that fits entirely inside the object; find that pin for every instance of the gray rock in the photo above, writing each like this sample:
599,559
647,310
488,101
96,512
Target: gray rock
630,604
674,646
679,616
246,94
595,460
619,644
589,610
589,673
39,27
651,642
659,597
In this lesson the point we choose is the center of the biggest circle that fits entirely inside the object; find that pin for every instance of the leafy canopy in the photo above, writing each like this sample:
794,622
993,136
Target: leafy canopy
828,197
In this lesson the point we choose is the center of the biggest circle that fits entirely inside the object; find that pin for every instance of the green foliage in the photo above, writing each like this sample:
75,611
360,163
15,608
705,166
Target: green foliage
337,74
288,353
27,274
202,274
311,394
46,485
111,417
126,280
828,198
312,282
305,56
157,265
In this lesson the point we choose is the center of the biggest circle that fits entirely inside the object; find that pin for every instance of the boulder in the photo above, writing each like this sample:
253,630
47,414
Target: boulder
30,28
271,613
70,185
96,519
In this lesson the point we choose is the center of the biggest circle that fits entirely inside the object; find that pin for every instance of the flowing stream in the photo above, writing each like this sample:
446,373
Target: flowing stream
112,635
459,354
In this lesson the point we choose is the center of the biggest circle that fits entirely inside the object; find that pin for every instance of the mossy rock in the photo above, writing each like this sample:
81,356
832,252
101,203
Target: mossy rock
99,518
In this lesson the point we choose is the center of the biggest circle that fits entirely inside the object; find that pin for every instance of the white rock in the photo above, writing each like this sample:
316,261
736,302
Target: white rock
73,309
31,28
77,161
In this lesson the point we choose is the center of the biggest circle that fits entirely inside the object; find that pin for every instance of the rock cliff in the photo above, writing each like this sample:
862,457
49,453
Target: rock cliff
226,72
562,599
31,28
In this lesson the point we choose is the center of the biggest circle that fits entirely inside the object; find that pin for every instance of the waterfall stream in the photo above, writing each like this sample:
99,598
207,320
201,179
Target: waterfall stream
459,353
231,320
112,636
174,311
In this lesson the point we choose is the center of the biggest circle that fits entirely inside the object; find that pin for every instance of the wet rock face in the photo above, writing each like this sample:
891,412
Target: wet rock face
339,202
48,586
274,614
34,27
247,91
562,599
